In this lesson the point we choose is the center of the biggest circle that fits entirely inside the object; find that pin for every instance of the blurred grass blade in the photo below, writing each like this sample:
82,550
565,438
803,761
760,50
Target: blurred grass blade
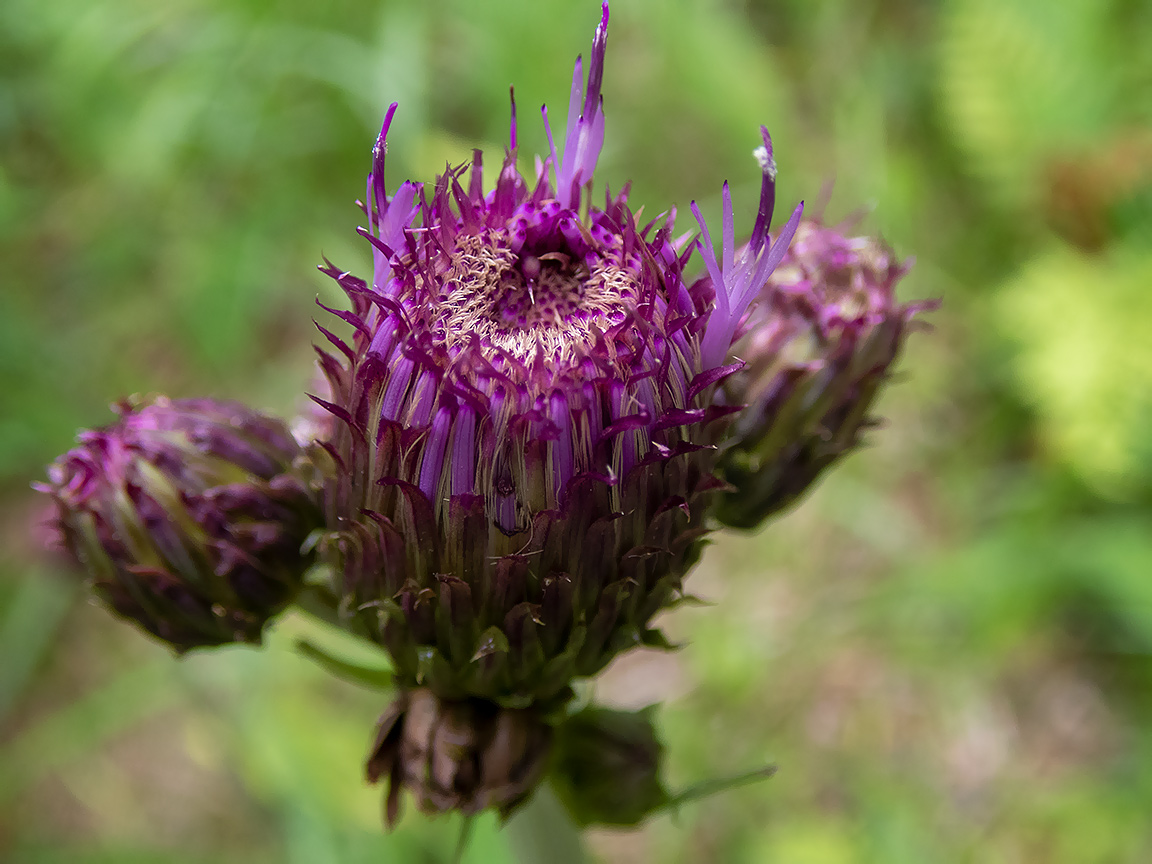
27,630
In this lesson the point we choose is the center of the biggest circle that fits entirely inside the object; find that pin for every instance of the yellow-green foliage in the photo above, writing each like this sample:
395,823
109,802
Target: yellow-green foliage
1024,83
1080,324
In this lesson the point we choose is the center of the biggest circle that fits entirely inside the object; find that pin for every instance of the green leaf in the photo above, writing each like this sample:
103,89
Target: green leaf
376,678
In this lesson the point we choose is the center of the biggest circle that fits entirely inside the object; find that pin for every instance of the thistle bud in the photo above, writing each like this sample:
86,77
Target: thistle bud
817,343
606,766
465,755
187,517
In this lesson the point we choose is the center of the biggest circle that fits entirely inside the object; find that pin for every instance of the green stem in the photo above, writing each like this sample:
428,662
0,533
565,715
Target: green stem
719,784
320,603
542,832
463,839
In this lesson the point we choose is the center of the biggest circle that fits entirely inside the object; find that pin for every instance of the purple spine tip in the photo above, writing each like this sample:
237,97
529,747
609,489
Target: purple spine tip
512,124
596,68
378,153
767,162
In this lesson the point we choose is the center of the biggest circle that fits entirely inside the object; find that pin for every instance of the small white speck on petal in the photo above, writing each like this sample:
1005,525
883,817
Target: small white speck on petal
767,163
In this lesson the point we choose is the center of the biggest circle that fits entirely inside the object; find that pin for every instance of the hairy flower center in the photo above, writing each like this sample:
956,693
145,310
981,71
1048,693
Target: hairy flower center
544,300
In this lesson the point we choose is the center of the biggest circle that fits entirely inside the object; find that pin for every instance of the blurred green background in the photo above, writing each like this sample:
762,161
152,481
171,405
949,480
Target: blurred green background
947,648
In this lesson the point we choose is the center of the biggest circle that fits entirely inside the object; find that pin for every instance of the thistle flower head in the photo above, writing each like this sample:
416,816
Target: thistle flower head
527,314
521,476
524,462
817,342
186,518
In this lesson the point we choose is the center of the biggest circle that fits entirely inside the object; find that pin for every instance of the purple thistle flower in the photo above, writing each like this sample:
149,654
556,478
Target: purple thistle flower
523,403
525,456
816,344
187,518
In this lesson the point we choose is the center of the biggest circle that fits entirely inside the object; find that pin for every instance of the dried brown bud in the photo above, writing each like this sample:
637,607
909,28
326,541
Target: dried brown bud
465,755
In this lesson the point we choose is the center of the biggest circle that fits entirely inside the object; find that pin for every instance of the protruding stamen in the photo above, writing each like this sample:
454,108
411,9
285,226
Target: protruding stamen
575,115
596,70
767,162
379,151
736,285
585,136
476,183
729,238
512,123
551,145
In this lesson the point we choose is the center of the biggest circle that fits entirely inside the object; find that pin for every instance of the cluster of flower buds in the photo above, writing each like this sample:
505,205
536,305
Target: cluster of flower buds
536,417
189,517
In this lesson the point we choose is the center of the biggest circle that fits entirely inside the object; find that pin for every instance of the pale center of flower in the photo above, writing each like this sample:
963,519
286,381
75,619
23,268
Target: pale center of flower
530,303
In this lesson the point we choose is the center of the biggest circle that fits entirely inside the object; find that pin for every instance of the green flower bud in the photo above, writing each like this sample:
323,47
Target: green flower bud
606,766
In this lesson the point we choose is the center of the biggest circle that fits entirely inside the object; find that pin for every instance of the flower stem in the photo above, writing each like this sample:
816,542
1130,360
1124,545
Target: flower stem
463,839
542,831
